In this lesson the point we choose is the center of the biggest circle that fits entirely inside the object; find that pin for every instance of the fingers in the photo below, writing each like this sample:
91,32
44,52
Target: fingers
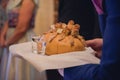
90,43
94,42
98,54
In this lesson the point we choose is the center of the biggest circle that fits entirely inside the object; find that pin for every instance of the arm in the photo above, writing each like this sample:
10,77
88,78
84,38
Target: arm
25,15
3,34
109,68
96,44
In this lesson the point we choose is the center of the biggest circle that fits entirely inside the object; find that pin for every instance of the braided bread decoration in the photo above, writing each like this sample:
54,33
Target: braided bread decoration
62,38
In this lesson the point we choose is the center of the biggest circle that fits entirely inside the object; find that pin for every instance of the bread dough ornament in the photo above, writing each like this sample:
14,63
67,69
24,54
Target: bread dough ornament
63,38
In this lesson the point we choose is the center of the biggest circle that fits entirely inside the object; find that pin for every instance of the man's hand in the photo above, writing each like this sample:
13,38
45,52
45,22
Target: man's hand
96,44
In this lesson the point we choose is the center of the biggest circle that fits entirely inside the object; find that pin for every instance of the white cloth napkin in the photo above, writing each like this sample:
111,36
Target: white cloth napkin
59,61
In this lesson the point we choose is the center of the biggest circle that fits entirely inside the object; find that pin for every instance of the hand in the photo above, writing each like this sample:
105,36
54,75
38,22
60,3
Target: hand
2,41
96,44
7,44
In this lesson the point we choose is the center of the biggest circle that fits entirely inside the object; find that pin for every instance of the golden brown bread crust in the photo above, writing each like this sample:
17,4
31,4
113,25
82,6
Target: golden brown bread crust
68,44
64,38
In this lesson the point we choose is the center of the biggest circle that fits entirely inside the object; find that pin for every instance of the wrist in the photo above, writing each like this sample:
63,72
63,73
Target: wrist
3,35
7,43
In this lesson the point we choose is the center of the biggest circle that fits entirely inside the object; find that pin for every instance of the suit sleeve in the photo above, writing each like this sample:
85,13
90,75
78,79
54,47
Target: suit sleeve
109,68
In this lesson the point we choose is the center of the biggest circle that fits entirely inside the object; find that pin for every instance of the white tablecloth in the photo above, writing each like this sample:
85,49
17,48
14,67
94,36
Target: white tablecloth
44,62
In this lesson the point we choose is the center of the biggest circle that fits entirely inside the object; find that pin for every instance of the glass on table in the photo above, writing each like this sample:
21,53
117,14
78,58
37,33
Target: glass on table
35,40
38,44
41,47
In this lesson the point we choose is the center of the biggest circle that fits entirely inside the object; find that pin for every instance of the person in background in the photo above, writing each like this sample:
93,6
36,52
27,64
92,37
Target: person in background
84,14
17,29
108,69
3,16
19,21
3,4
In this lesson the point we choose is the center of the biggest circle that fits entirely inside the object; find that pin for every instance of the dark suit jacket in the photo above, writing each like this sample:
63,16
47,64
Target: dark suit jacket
83,13
109,68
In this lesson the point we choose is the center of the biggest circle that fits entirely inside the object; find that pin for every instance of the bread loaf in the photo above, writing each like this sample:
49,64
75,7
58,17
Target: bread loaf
62,38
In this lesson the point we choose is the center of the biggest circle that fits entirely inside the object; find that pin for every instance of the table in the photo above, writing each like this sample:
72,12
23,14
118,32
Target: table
44,62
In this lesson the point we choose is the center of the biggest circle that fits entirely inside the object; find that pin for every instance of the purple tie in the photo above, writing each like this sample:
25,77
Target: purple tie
98,6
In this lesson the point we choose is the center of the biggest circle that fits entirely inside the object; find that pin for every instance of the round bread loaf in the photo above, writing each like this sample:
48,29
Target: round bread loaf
64,38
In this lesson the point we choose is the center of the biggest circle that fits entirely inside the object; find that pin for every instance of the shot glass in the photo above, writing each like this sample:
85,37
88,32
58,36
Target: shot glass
41,45
35,40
